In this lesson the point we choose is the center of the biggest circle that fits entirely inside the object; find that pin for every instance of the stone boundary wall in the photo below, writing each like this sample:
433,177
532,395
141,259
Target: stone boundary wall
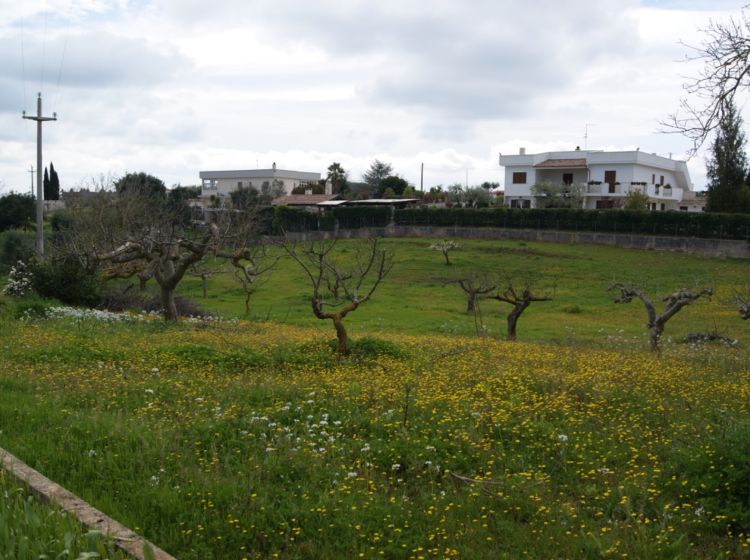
87,515
721,248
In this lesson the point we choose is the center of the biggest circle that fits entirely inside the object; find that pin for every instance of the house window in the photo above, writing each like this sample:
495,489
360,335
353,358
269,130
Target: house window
526,204
567,178
663,206
661,181
239,184
519,178
610,177
653,178
683,208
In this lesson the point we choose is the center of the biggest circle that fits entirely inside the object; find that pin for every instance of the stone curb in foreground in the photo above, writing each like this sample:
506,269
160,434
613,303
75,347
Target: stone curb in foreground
123,538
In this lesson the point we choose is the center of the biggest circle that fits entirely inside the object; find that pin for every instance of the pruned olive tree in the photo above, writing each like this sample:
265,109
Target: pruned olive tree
473,285
252,265
520,299
673,303
341,282
133,232
203,270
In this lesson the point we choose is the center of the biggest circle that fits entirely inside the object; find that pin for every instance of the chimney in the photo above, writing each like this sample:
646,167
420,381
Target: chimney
522,151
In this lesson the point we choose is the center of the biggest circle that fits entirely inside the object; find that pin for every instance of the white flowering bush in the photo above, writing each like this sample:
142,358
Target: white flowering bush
445,246
20,281
78,314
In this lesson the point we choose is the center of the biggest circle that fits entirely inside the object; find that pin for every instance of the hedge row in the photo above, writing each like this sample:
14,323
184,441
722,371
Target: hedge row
682,224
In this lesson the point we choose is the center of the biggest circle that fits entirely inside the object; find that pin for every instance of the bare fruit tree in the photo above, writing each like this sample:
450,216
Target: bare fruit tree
520,299
340,284
473,285
203,271
725,55
657,321
251,267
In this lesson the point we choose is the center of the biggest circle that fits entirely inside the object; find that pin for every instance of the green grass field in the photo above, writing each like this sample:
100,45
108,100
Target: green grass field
251,439
414,299
30,530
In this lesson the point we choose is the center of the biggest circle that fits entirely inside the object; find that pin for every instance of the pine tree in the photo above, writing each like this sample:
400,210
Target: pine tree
54,183
46,185
377,172
727,168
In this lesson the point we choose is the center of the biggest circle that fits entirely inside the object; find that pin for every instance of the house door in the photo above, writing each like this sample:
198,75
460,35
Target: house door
610,177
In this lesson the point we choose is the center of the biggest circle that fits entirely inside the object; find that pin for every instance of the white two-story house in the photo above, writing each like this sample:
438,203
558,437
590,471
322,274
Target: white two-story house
217,185
605,178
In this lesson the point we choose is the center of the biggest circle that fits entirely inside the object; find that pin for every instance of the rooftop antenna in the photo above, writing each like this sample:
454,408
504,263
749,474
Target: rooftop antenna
586,136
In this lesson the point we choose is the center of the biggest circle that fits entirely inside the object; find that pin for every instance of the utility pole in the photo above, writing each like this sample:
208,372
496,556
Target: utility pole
421,179
31,172
39,185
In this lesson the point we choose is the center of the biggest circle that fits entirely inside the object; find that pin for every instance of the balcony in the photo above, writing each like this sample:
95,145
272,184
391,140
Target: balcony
597,188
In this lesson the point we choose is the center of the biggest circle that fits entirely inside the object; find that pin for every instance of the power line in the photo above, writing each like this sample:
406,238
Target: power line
62,56
44,47
23,55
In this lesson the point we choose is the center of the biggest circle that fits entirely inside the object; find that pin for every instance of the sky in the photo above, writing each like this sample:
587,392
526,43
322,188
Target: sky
175,87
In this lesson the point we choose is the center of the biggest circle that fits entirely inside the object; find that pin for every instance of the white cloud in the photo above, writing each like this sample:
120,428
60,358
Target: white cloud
172,87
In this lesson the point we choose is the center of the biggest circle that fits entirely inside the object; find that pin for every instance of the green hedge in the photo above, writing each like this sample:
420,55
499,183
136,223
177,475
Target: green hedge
295,219
681,224
684,224
355,217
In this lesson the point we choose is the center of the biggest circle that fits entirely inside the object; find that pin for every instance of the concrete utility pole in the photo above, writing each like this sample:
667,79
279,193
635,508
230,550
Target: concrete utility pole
421,179
39,184
31,172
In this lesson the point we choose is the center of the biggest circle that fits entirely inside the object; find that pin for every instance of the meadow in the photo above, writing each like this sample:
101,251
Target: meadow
250,439
414,299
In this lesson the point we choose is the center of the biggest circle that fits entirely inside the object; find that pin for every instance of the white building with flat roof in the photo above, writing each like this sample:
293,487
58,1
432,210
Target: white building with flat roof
220,184
605,178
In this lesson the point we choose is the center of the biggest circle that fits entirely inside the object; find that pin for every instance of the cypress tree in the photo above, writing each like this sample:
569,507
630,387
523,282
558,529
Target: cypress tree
46,185
727,168
54,183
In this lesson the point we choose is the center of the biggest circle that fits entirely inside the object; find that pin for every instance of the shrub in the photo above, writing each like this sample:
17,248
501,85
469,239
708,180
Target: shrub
16,210
67,280
16,246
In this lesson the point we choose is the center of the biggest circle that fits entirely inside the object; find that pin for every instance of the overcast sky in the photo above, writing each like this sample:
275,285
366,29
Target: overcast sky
173,87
